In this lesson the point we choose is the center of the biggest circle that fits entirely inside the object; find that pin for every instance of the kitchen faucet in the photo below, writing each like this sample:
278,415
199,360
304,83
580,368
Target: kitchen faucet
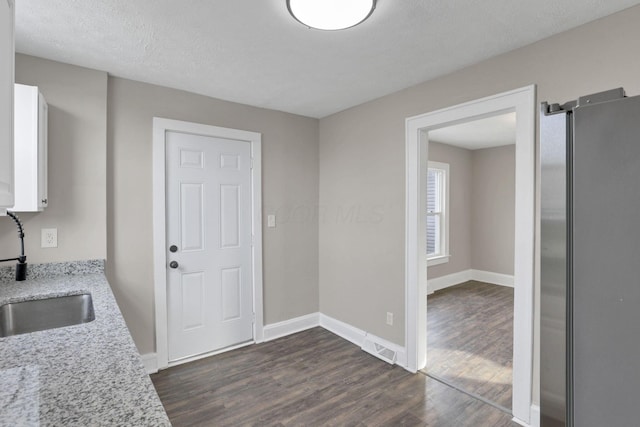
21,266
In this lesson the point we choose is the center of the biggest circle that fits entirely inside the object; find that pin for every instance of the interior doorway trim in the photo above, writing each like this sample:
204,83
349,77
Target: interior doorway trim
522,101
160,127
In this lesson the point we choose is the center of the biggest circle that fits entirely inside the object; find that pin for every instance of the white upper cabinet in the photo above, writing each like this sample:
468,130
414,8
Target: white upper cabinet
30,149
7,14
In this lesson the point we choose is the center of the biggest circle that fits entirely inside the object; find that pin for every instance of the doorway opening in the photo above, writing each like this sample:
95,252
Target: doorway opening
207,226
522,103
470,257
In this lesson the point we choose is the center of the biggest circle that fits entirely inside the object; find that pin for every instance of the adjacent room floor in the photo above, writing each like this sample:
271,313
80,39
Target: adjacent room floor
470,339
312,378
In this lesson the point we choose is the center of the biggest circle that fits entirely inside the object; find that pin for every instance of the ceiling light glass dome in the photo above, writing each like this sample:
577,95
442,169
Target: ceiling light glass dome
331,14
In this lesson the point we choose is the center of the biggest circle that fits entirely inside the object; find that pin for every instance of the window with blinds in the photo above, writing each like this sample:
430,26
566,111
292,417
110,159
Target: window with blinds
437,202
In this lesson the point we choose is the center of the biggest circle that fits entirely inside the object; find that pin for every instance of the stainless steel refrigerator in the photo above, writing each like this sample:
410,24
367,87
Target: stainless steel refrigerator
590,261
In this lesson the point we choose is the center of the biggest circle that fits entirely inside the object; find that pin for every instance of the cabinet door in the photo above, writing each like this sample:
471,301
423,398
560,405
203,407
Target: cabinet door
43,135
6,104
30,149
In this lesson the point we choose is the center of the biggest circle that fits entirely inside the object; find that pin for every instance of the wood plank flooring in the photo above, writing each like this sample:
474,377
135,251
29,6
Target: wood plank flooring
313,378
470,339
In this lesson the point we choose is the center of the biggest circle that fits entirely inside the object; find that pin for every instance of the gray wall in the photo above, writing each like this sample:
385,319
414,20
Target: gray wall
362,159
493,201
290,180
77,99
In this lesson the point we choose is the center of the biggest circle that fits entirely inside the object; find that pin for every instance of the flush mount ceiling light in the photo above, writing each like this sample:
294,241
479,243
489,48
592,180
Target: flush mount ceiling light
331,14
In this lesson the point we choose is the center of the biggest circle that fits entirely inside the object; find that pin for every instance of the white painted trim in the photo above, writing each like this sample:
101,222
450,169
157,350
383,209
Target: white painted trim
441,259
493,278
454,279
535,416
370,339
358,336
416,156
150,362
282,329
522,101
159,243
256,229
520,422
447,281
287,327
160,127
343,330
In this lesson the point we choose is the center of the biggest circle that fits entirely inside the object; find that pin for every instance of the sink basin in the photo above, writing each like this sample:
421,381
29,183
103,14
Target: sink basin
39,315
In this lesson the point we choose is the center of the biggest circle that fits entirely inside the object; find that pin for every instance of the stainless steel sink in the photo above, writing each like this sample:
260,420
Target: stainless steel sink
39,315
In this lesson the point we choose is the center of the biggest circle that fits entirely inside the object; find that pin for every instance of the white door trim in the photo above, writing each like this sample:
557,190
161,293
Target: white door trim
160,127
522,101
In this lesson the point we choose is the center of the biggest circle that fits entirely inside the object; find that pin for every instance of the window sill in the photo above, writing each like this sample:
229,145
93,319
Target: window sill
438,260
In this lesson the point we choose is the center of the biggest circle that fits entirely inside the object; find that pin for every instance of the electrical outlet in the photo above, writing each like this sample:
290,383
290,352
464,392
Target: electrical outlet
49,238
389,318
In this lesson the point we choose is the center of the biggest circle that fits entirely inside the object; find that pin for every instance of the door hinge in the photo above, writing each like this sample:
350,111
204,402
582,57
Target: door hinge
254,318
252,163
253,240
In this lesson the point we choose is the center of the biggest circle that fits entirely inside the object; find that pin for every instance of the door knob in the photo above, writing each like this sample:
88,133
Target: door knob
173,248
173,264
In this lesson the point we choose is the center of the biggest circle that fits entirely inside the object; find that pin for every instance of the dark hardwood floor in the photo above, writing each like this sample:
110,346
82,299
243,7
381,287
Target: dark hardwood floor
470,339
313,378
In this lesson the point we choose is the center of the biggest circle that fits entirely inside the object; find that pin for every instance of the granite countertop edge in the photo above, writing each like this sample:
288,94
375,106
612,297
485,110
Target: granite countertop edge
86,374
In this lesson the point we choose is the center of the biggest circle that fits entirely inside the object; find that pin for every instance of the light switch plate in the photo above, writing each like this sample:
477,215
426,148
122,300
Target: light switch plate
49,238
271,221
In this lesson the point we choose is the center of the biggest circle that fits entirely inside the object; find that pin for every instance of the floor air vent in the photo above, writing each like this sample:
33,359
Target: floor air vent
378,350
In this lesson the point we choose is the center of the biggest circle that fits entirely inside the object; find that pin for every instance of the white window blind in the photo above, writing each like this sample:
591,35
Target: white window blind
437,219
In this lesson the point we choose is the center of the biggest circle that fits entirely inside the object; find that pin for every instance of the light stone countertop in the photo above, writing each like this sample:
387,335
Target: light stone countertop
82,375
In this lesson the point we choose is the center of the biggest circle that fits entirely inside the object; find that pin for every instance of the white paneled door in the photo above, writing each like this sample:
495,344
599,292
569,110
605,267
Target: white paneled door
209,254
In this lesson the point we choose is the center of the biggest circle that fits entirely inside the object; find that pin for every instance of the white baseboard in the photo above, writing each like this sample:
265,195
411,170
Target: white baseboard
535,418
449,280
344,330
150,362
372,345
493,278
291,326
350,333
453,279
364,340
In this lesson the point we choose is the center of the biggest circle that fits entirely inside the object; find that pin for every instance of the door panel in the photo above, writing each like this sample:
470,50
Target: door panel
192,206
230,220
231,293
192,300
210,299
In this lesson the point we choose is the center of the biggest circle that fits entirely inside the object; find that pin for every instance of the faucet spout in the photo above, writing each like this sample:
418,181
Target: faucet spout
21,266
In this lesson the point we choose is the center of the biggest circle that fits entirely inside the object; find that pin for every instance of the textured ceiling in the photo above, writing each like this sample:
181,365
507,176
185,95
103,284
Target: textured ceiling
493,131
254,52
